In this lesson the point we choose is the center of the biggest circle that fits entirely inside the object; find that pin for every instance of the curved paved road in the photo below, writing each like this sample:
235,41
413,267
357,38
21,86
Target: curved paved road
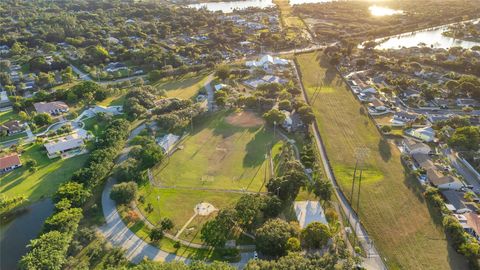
120,235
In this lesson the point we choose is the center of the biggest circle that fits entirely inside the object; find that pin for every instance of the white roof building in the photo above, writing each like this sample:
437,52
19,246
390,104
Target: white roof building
220,86
61,145
426,134
267,60
167,142
308,212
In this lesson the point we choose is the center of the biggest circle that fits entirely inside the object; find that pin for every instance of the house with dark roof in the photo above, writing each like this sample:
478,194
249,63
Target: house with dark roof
9,162
402,118
12,127
53,108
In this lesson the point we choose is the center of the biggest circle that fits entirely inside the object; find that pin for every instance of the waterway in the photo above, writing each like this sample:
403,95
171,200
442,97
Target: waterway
432,37
17,231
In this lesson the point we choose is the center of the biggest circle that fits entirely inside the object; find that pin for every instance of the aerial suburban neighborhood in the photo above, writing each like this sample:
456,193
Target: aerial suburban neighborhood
256,135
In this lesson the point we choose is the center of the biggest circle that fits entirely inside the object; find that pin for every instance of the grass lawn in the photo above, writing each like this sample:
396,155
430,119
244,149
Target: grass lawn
114,100
185,87
45,181
219,155
8,115
13,137
392,208
178,205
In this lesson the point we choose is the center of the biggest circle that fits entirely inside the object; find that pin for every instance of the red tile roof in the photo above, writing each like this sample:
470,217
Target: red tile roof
9,161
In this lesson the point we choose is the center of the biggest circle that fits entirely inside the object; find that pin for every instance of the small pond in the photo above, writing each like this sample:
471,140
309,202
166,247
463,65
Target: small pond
17,231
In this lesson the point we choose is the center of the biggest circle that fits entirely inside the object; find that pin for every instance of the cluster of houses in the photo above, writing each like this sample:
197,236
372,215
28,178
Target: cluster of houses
434,173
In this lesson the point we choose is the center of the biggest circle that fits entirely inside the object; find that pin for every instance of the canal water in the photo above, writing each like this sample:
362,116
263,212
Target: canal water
17,231
429,37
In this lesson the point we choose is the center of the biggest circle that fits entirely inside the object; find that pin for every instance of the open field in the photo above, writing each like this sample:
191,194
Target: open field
185,87
45,181
392,208
221,153
178,205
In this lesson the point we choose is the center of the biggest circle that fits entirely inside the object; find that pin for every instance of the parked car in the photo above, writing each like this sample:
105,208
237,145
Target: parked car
463,211
255,255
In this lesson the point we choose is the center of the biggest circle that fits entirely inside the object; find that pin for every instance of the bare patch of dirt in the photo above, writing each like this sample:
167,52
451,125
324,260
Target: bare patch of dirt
244,119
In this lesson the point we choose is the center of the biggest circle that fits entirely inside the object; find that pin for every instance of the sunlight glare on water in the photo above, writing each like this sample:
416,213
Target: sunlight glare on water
383,11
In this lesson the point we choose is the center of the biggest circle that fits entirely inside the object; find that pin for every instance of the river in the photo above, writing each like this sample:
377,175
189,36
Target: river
17,231
431,37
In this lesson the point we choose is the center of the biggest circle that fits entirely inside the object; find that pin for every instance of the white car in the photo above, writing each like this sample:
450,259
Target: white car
255,255
463,211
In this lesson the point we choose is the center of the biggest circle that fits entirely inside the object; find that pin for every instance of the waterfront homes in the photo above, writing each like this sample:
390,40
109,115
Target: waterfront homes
53,108
71,144
9,162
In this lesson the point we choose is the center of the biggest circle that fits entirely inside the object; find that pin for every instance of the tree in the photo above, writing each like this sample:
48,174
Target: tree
166,224
156,234
248,208
293,244
386,129
65,221
272,206
42,119
285,105
323,189
306,114
75,192
46,252
466,138
315,235
272,237
30,164
215,232
124,193
149,155
223,72
274,116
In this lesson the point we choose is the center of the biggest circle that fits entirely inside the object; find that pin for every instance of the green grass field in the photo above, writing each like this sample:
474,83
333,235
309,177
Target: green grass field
178,205
185,87
392,208
219,155
45,181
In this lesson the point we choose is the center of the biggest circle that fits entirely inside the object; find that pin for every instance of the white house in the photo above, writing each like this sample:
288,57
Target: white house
167,142
402,118
288,122
65,144
267,61
220,86
412,147
308,212
426,134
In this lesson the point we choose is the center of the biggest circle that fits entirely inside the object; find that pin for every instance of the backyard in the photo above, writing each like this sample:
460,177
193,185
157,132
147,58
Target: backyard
45,180
392,208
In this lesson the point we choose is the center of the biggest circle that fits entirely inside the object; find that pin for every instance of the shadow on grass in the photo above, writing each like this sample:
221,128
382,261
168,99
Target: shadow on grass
384,149
258,147
412,183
